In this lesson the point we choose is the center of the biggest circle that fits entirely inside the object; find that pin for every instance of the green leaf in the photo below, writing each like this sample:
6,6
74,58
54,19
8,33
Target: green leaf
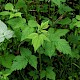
63,8
61,32
77,24
32,23
4,13
37,40
65,21
33,61
43,74
26,32
50,73
71,25
57,2
78,17
25,52
19,63
34,74
17,23
9,6
75,54
63,46
56,43
7,59
44,25
18,14
20,4
49,49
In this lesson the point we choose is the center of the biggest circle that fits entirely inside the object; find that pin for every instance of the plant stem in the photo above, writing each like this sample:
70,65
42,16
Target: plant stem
40,66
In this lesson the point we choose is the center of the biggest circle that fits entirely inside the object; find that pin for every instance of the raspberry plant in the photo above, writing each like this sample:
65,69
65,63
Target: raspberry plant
39,40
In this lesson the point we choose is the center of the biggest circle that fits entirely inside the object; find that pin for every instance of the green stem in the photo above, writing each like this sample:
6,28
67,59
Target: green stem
40,65
76,65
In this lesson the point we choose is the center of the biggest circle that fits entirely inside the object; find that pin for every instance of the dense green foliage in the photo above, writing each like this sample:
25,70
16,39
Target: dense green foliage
39,40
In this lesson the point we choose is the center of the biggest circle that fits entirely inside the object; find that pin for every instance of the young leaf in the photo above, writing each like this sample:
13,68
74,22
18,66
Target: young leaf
33,61
37,40
9,6
18,14
44,25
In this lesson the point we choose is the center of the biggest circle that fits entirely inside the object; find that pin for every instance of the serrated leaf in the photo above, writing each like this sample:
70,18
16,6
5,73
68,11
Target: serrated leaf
49,49
32,23
9,6
63,46
60,32
65,21
50,74
17,23
20,4
56,43
43,74
37,40
44,25
33,61
20,62
75,54
26,32
7,59
57,2
34,74
63,8
25,52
